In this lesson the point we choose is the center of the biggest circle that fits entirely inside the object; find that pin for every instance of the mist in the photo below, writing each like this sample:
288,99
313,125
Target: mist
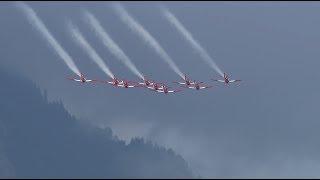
259,128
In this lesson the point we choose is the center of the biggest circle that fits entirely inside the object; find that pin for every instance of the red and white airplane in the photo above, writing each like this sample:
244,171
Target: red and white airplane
198,86
156,86
151,84
192,84
82,79
186,82
166,90
121,83
226,79
146,82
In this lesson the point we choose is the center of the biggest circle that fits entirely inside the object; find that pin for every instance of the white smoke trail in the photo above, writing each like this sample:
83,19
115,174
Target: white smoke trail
36,22
145,35
110,44
188,36
77,36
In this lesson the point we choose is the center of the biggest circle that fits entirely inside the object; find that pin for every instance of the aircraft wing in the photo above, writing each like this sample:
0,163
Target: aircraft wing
132,86
150,87
204,87
91,80
234,81
159,91
173,91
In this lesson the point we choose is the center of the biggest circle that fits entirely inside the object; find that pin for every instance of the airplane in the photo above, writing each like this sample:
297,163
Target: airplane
166,90
151,84
226,79
146,82
186,82
120,83
192,84
82,79
198,86
156,86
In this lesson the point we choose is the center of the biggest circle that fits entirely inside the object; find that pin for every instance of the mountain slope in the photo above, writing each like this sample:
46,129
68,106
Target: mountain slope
41,140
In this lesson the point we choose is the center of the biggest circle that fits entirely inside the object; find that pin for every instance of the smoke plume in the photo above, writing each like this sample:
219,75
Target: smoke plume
146,36
38,24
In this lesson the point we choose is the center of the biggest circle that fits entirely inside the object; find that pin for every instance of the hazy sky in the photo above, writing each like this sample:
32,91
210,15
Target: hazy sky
267,126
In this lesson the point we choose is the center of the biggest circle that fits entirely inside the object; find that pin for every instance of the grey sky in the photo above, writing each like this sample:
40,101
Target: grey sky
267,126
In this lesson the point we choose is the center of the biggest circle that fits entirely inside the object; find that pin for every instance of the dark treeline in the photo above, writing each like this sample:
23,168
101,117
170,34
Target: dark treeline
41,140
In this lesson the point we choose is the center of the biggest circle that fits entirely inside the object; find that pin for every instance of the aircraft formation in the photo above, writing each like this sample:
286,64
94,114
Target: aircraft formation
158,87
119,54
